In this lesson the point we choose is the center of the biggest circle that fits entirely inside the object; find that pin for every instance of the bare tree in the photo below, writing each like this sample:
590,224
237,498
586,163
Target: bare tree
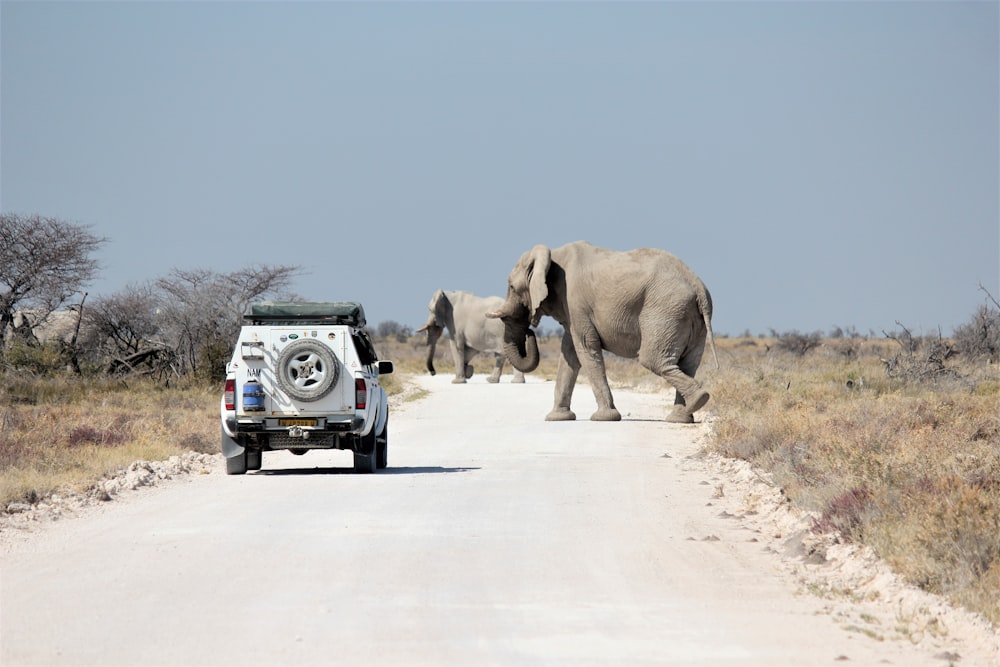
201,311
43,262
980,336
125,319
191,310
250,284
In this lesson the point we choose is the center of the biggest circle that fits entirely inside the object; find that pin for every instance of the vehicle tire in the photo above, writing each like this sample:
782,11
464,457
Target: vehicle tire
237,465
366,455
298,451
382,446
255,459
307,370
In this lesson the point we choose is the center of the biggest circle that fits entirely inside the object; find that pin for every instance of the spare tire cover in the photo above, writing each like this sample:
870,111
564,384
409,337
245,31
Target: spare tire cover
307,370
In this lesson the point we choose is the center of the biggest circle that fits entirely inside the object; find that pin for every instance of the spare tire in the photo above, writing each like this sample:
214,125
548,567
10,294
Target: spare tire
307,370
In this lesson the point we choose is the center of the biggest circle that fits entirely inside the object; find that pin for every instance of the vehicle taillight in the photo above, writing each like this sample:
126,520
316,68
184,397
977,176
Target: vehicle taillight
229,395
360,394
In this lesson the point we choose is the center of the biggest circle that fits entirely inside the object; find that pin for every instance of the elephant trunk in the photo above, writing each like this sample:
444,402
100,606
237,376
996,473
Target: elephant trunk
433,334
521,349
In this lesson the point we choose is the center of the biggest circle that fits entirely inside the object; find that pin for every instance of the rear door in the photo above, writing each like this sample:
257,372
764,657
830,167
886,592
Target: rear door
305,373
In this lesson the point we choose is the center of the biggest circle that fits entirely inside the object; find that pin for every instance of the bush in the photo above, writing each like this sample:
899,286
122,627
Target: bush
798,343
980,336
921,359
392,329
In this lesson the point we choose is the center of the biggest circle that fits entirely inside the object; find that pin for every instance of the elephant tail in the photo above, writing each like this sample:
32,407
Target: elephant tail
711,341
705,306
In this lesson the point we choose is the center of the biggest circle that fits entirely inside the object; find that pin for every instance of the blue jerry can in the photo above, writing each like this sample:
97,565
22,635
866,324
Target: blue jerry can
253,397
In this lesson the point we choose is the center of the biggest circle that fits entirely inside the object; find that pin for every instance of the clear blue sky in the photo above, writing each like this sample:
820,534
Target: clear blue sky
818,164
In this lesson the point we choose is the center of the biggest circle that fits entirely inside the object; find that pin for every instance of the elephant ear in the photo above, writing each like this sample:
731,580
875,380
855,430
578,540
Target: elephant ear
538,288
437,296
441,305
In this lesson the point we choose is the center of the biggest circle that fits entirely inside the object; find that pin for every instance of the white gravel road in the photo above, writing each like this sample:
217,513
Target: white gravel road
494,538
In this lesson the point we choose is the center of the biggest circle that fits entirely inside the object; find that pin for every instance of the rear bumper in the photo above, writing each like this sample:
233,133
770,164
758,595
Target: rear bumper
277,425
273,433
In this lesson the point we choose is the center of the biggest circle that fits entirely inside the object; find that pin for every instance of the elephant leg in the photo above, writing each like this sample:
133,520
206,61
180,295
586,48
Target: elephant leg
679,414
685,407
518,377
589,351
566,374
498,360
461,370
565,381
689,395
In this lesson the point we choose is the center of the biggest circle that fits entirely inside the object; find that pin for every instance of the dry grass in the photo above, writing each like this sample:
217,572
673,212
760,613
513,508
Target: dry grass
61,434
910,468
909,465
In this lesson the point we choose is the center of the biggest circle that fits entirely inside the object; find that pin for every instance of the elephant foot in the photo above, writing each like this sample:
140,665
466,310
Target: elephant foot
560,415
493,379
518,379
606,415
680,415
697,401
458,380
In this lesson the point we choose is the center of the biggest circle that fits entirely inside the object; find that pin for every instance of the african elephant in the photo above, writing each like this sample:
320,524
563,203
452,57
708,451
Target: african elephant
45,326
464,316
644,304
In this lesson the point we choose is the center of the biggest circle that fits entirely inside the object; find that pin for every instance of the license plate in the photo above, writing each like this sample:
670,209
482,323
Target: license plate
297,422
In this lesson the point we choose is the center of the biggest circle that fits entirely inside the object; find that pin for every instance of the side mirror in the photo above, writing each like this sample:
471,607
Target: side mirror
385,368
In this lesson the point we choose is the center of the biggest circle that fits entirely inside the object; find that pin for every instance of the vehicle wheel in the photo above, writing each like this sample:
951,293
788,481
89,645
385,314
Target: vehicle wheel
237,465
382,446
365,463
255,459
307,370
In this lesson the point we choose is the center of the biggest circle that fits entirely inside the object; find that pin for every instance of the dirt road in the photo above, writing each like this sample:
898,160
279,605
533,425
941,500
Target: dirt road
494,538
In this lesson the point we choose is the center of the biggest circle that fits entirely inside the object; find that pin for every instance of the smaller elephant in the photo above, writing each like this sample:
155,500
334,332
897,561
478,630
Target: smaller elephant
470,333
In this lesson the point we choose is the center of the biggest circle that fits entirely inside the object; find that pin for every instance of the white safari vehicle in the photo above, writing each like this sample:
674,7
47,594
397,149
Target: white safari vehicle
304,375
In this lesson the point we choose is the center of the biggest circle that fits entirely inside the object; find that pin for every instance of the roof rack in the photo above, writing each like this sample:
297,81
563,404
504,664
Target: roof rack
306,312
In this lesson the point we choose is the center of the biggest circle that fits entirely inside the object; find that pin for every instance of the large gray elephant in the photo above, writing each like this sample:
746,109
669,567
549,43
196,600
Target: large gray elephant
644,304
470,333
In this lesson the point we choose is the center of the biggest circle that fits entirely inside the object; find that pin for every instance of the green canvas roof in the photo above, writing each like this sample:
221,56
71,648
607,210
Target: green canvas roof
299,312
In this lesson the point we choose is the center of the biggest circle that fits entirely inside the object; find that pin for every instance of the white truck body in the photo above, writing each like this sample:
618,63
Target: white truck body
304,376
